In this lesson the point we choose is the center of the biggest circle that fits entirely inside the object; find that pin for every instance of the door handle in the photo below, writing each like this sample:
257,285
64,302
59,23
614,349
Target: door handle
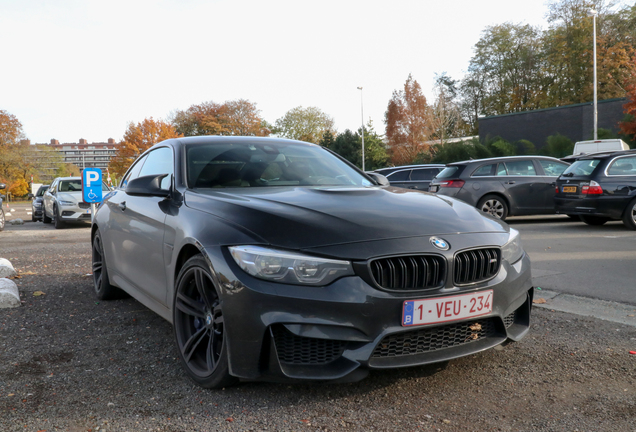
510,182
122,205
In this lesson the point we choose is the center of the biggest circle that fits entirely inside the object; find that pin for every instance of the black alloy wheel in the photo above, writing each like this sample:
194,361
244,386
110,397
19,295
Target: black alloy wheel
629,218
494,206
594,220
199,326
57,218
103,289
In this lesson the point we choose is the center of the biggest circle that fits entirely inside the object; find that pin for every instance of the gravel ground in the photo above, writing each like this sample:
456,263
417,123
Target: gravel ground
71,363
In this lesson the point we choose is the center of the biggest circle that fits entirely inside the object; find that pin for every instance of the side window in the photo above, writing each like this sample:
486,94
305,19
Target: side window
552,168
54,187
424,173
623,166
521,168
501,170
133,173
399,176
159,162
485,170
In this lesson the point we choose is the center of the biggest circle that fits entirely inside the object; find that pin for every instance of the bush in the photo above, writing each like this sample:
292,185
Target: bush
558,146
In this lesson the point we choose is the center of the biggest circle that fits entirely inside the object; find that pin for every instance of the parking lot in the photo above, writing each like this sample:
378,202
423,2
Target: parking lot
69,362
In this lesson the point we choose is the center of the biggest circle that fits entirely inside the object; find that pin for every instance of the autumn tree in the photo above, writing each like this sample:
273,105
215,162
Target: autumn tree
137,139
10,129
304,124
508,61
408,123
238,118
446,117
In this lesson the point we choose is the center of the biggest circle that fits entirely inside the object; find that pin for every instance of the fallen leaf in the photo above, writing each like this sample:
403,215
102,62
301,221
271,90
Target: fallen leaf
539,301
27,273
38,293
475,327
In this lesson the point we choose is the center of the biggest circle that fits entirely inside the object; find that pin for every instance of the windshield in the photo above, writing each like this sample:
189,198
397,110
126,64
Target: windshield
41,191
581,167
70,185
252,164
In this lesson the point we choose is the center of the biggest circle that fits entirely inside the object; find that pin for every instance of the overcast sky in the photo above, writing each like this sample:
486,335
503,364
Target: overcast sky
76,69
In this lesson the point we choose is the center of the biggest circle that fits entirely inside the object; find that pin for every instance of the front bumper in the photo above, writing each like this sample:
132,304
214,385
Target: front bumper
36,212
341,331
75,213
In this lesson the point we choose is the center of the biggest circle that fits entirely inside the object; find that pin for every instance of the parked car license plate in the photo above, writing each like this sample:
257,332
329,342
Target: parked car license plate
569,189
433,188
449,308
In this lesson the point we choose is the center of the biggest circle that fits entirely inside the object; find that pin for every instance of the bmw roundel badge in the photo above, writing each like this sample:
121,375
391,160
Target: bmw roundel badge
439,243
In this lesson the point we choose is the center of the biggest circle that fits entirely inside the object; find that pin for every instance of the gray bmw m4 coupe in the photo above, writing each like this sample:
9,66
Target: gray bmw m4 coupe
278,260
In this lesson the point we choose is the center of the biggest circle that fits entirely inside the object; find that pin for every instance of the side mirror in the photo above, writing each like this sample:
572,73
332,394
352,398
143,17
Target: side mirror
2,185
30,196
379,179
149,185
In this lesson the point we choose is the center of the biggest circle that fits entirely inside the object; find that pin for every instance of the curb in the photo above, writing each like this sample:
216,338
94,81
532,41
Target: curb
9,294
602,309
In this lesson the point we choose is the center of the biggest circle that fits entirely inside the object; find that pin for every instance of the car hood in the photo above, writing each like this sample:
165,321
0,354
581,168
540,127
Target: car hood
306,217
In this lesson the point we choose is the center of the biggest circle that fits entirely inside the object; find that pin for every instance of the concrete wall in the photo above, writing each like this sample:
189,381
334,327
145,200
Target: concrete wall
574,121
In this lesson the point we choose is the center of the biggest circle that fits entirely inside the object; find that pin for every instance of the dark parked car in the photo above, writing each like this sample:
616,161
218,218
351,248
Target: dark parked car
2,186
36,204
600,187
502,187
277,260
411,176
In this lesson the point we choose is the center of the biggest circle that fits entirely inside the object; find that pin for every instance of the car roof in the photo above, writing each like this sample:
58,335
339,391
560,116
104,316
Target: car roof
208,139
405,167
502,159
604,154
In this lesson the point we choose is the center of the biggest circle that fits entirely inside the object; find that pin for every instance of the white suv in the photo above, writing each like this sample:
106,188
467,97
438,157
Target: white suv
63,202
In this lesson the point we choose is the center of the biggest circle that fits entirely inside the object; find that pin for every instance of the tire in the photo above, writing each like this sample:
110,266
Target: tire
1,219
629,218
493,205
103,289
199,327
45,218
57,219
33,219
594,220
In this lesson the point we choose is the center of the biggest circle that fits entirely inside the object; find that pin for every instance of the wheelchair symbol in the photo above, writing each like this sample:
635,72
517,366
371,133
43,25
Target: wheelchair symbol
92,195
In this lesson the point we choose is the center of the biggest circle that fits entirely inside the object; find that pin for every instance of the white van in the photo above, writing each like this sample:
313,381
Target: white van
585,147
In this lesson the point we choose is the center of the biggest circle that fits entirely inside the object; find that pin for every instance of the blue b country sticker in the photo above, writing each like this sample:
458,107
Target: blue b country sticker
407,313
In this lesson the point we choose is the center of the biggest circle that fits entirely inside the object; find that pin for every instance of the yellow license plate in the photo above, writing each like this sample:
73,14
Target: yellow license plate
570,189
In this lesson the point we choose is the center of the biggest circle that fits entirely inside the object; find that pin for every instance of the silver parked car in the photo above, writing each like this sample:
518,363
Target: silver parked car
63,202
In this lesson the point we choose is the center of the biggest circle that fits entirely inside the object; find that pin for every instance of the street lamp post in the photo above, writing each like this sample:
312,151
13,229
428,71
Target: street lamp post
594,14
362,114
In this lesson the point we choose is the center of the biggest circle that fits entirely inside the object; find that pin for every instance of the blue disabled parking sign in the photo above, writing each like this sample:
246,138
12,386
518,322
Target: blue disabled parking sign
92,185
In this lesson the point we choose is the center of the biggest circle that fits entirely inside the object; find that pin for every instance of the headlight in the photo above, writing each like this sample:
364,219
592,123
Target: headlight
289,267
512,250
66,203
37,205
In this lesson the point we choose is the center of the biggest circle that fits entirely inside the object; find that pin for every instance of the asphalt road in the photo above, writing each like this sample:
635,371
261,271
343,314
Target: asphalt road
71,363
572,257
